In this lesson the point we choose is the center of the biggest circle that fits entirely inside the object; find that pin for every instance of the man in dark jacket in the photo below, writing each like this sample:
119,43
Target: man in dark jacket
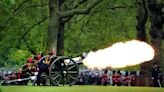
43,66
157,76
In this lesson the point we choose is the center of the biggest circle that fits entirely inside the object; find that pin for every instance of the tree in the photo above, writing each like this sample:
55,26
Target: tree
22,27
156,30
24,22
57,18
142,19
106,24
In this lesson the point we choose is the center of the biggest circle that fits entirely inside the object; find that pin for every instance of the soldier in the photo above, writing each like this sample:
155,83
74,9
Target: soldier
37,58
133,78
25,71
116,78
43,66
126,79
34,67
105,78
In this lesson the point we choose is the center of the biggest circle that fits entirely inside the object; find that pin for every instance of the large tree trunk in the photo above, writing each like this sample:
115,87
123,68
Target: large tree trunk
57,18
156,30
141,33
141,19
60,41
53,26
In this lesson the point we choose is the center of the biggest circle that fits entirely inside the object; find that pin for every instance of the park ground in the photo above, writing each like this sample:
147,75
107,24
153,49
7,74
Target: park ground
78,89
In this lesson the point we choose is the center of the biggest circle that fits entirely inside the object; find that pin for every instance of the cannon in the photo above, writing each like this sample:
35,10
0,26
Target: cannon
63,70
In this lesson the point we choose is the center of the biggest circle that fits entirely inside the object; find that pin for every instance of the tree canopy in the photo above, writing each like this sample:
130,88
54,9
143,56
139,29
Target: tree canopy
24,24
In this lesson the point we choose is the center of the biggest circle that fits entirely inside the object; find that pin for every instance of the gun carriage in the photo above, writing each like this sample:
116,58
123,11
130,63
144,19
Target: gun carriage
63,70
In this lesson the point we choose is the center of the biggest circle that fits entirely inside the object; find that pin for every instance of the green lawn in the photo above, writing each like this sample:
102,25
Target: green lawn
78,89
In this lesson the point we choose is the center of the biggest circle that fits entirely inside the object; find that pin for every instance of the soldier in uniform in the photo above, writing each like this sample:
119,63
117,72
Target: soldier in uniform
37,58
105,78
133,78
34,67
43,66
116,78
126,79
25,71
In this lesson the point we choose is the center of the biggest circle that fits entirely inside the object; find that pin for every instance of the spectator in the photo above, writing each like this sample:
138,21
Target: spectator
157,76
81,79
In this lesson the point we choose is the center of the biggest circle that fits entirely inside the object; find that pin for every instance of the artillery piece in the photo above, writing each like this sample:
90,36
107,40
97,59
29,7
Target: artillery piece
63,70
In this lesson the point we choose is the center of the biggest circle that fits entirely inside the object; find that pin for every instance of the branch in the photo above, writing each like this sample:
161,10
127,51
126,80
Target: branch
102,10
21,4
64,20
15,13
79,11
81,2
110,8
38,23
23,37
35,5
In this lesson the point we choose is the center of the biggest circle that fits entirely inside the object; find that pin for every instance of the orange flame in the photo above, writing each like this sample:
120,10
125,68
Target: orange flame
120,55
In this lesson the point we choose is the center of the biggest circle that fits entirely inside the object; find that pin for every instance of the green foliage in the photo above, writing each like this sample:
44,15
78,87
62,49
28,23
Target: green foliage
20,31
17,57
9,2
110,22
103,27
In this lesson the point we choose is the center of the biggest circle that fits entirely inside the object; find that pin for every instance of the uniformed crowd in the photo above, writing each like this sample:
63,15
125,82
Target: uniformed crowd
32,65
115,78
120,78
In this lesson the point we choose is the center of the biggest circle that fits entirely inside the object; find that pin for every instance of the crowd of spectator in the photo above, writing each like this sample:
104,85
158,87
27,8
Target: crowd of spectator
115,78
111,77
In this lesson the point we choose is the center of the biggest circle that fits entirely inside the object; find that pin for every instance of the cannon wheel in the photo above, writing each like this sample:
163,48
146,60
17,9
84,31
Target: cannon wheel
63,71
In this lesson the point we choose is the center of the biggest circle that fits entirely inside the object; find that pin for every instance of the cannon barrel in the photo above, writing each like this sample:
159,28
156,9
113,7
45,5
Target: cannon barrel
79,63
78,60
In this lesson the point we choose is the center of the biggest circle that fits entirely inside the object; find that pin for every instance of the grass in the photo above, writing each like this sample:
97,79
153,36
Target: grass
78,89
